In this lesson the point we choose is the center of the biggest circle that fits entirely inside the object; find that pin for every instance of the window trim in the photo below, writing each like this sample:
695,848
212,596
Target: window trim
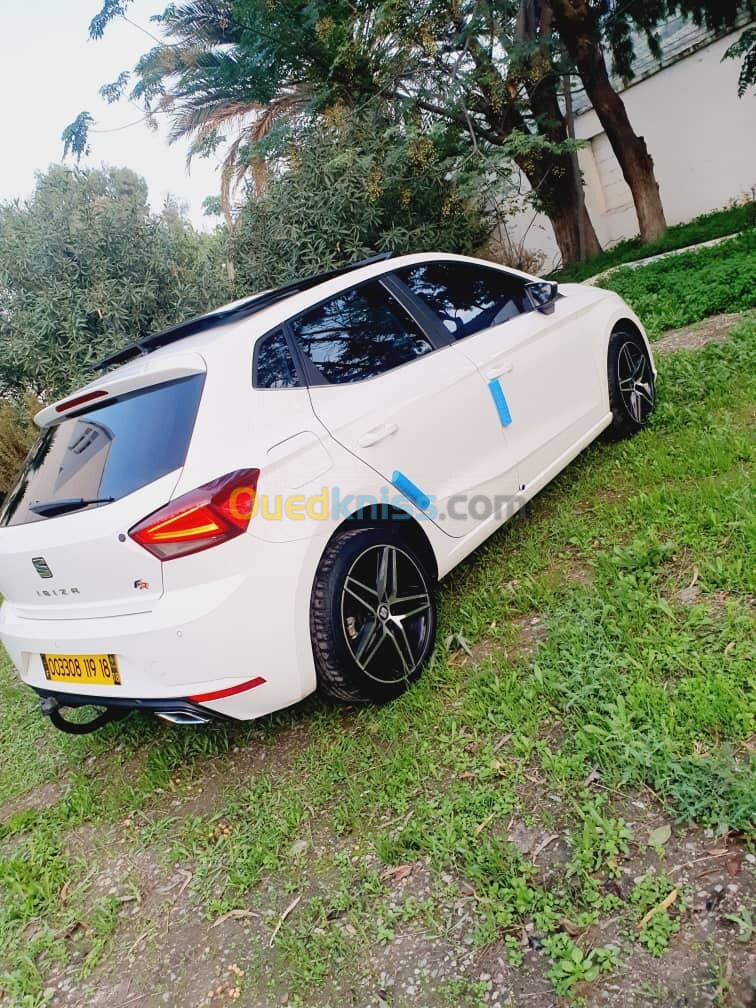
418,314
282,327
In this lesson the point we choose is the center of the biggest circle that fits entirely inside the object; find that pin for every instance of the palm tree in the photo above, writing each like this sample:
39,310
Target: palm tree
208,82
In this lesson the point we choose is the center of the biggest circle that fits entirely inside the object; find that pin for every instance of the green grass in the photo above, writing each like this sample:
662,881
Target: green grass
691,286
705,228
631,687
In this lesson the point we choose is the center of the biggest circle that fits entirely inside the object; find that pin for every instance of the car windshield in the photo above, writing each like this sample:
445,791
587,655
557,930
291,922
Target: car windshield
106,452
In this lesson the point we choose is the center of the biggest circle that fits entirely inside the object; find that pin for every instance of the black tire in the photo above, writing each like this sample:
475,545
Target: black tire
373,627
632,390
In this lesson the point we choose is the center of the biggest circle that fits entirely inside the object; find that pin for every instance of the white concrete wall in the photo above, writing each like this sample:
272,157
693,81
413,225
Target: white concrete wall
701,136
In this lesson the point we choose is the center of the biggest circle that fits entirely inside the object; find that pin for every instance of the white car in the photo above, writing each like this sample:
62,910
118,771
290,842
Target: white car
261,501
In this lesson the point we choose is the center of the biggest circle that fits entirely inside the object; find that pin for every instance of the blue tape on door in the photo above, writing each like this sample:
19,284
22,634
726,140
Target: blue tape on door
500,401
410,491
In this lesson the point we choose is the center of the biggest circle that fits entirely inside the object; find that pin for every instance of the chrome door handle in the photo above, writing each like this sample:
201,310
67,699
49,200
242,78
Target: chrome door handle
377,434
499,368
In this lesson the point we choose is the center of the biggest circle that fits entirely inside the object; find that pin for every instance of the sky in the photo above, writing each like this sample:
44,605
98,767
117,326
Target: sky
50,71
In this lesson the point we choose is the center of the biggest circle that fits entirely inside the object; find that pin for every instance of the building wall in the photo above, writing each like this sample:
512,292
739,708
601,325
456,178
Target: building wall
701,136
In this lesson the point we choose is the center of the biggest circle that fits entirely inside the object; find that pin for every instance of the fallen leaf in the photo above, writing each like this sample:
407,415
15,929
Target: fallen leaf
294,903
549,839
665,904
729,647
481,826
659,836
502,741
733,866
466,775
592,776
398,873
695,576
238,914
71,929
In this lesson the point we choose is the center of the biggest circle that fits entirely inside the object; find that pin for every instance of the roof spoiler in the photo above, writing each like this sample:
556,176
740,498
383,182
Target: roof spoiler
231,313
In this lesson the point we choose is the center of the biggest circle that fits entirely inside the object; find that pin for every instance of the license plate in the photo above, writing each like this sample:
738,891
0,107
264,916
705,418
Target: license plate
82,670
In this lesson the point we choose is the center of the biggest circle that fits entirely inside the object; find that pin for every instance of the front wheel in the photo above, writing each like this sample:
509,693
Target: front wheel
632,390
373,615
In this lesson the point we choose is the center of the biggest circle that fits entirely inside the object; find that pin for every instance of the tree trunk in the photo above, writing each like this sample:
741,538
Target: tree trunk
579,30
552,178
557,179
555,183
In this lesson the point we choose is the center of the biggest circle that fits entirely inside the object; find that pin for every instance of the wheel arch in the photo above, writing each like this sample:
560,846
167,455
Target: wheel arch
397,518
623,324
627,324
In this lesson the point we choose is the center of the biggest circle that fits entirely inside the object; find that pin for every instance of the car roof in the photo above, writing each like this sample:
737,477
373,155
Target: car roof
331,282
228,313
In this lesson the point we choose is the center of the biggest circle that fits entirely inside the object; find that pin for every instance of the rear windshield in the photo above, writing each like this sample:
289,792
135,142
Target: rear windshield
108,451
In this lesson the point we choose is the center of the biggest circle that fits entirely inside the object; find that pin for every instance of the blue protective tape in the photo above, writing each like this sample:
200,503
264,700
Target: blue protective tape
410,491
500,401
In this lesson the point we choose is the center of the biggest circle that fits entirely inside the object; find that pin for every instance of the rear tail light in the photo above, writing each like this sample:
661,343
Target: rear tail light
205,517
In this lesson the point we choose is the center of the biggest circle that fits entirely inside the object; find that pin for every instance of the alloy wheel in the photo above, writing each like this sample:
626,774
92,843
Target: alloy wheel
636,382
386,613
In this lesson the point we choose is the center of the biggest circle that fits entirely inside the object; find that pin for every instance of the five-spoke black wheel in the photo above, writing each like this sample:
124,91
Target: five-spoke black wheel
632,391
373,616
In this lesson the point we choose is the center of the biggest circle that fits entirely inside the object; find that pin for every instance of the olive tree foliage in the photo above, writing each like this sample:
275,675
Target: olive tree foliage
17,434
348,188
745,48
85,267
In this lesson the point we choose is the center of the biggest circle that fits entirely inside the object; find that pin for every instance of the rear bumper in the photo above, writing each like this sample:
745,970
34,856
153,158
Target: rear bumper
181,710
205,641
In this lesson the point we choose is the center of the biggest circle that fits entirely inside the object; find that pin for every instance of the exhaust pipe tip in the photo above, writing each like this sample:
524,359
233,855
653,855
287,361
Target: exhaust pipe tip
180,717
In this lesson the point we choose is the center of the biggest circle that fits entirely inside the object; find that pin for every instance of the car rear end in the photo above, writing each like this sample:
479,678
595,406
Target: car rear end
122,587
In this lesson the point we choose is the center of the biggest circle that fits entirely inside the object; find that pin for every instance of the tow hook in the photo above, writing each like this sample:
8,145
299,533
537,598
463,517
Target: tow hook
50,707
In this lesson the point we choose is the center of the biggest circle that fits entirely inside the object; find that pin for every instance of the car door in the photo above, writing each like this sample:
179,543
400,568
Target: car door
539,367
405,402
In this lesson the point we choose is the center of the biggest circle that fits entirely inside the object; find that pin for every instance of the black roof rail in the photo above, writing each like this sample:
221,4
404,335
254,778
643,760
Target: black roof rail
222,316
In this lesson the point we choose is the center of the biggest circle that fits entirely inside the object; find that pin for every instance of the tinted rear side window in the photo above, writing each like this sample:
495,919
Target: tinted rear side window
359,334
274,366
466,298
109,450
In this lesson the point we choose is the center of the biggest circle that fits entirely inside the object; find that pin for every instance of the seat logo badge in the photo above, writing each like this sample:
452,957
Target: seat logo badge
142,585
41,567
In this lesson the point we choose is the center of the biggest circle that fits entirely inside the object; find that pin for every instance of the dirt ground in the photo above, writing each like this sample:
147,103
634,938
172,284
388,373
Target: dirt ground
167,953
711,330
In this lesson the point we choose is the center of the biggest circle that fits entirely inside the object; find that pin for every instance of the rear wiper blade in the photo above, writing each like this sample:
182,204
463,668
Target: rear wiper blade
49,509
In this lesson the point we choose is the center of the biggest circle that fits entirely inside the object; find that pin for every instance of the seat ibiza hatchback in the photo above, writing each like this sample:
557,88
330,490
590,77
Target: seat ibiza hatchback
262,500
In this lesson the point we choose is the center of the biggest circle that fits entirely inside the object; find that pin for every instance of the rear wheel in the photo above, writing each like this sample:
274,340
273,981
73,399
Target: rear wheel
373,615
632,392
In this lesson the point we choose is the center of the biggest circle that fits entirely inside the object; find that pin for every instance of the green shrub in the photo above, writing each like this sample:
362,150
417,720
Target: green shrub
691,286
17,434
86,266
350,189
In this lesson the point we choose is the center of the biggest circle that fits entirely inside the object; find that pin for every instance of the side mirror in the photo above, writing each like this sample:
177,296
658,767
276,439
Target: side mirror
542,295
